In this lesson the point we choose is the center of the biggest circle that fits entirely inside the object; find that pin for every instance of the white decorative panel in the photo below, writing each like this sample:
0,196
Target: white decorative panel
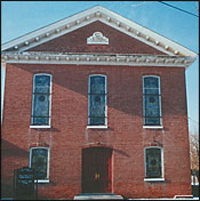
98,38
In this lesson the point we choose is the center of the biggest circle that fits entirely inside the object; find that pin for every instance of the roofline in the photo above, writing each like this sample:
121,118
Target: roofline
49,25
82,14
57,21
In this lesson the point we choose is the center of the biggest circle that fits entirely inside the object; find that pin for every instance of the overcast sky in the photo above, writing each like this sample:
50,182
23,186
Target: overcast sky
21,17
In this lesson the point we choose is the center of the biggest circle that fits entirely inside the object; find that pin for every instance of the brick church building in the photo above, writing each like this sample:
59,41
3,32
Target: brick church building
96,104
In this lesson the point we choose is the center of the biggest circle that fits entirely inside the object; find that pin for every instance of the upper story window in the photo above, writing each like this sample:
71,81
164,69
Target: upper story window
41,100
153,162
152,101
39,161
97,100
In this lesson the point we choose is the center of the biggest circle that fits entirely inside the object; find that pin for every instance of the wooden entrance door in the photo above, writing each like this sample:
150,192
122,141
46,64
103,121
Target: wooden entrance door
96,170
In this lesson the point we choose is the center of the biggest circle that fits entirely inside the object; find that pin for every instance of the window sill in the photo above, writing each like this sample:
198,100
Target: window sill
98,127
153,127
154,179
41,181
40,126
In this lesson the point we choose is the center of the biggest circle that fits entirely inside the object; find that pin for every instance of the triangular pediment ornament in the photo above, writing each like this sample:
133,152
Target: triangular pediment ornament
97,13
98,39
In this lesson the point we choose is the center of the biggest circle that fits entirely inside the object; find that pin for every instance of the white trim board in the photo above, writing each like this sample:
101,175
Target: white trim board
154,179
106,16
97,59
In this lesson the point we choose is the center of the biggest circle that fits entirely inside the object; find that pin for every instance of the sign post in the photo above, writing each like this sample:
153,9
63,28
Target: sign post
24,186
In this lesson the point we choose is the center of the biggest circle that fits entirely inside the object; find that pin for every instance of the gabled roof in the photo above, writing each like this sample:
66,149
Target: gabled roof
106,16
97,13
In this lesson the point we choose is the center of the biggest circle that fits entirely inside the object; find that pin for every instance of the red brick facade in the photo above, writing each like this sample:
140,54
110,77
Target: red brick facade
125,134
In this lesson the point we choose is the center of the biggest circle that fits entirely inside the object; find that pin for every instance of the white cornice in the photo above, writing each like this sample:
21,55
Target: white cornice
98,59
106,16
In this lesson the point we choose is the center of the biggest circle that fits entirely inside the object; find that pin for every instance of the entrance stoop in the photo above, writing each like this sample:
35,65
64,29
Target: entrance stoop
96,196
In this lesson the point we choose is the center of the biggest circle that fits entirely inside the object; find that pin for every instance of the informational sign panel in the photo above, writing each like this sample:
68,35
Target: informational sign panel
24,187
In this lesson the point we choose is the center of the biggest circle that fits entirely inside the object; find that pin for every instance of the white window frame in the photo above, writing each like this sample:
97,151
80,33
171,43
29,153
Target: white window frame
50,97
159,90
106,116
48,162
162,163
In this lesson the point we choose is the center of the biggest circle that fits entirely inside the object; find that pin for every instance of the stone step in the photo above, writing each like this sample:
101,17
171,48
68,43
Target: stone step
96,196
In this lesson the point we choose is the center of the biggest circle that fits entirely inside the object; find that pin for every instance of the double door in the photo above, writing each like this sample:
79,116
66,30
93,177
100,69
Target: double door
96,170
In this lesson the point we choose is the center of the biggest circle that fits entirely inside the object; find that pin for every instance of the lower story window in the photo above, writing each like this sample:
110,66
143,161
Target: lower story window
153,162
39,161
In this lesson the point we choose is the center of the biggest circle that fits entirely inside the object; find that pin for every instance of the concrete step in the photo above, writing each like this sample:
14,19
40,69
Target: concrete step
96,196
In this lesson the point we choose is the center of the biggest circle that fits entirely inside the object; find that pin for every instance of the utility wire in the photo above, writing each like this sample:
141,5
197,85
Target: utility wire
178,8
139,4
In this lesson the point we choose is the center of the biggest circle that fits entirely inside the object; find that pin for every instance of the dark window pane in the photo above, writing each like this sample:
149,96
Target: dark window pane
40,120
97,85
41,109
151,101
153,163
97,100
151,91
152,107
97,106
42,84
152,121
150,82
41,100
97,121
39,162
41,105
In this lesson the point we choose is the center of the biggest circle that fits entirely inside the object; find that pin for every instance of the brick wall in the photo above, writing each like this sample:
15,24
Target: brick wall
125,133
76,41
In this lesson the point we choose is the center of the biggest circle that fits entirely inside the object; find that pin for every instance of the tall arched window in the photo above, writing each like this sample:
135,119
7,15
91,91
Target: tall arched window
97,100
152,101
153,162
41,99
